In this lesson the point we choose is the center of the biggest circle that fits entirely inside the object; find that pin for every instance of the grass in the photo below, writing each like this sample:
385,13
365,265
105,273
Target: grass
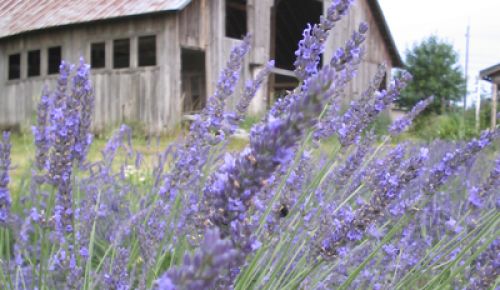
23,152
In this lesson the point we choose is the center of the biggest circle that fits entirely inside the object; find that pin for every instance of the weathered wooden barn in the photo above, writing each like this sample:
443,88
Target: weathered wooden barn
155,60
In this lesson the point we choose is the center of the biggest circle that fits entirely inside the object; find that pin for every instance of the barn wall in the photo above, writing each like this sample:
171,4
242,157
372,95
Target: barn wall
145,94
152,95
219,48
218,51
259,23
375,47
192,22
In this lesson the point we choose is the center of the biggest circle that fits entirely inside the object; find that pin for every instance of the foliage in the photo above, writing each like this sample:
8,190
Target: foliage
275,215
433,64
452,125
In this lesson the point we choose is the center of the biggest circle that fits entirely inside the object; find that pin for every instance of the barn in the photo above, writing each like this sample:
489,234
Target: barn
492,75
154,61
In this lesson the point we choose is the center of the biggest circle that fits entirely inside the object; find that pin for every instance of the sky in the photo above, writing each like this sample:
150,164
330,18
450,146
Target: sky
410,21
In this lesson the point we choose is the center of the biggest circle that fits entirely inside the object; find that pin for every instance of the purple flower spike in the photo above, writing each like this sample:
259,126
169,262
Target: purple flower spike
486,268
231,190
208,128
349,226
362,112
311,46
250,90
42,131
204,268
84,97
5,200
453,160
402,124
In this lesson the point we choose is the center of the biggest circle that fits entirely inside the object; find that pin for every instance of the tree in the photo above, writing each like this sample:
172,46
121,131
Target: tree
435,69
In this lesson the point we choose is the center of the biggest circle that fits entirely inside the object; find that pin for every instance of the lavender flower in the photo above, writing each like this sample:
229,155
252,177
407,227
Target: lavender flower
342,174
398,126
83,96
117,276
346,65
352,50
5,201
486,267
64,117
207,129
357,110
42,131
361,113
202,270
312,44
232,189
213,113
250,89
477,193
349,225
452,160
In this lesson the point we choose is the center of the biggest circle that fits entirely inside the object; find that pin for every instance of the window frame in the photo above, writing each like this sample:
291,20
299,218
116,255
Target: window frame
138,51
49,67
226,19
28,63
105,64
113,60
9,66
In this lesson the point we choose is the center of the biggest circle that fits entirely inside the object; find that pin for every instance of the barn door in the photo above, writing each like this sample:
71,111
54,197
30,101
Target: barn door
193,80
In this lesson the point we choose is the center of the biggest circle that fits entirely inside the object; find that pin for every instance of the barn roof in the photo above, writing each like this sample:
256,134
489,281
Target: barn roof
489,73
386,33
18,16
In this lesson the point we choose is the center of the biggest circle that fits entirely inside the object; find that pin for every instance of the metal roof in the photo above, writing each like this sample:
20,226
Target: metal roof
18,16
488,73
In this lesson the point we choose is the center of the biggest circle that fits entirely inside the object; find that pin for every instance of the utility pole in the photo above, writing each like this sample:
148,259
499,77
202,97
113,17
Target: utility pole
478,103
467,37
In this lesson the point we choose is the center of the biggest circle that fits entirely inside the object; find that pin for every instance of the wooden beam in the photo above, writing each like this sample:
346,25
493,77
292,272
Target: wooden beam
494,100
283,72
272,55
237,6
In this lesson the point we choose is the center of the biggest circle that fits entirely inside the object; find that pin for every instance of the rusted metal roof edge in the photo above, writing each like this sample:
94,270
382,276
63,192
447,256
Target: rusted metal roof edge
489,72
178,7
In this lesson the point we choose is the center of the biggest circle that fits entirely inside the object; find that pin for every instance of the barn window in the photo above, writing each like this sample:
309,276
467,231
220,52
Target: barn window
147,50
33,63
98,55
54,60
236,18
121,53
14,66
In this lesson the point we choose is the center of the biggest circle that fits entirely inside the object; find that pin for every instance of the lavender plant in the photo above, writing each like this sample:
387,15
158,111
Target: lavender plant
315,201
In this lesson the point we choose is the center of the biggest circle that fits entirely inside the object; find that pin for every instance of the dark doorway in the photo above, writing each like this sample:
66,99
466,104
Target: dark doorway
289,19
292,17
236,18
193,80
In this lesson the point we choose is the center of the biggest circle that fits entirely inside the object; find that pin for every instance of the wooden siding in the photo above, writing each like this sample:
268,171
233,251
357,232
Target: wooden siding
376,51
145,94
152,95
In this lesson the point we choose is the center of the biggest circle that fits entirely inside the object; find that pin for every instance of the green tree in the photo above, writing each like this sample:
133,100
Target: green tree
435,69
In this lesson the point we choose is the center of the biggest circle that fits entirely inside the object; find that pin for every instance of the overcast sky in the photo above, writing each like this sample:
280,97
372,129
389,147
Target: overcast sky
412,20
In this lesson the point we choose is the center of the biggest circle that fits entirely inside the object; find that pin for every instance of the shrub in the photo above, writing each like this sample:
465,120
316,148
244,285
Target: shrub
452,125
360,215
